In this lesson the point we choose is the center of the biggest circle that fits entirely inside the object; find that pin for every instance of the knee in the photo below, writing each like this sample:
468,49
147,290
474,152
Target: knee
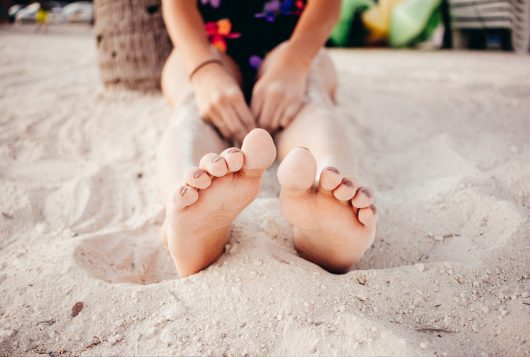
171,61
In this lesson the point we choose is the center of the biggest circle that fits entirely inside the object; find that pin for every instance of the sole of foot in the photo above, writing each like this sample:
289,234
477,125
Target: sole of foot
200,212
334,219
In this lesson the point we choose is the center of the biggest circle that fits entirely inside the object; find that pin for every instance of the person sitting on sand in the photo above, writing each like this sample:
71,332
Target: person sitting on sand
242,71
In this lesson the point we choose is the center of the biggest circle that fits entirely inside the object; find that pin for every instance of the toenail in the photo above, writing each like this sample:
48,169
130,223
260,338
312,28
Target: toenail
183,191
233,150
198,174
217,159
366,192
332,169
347,182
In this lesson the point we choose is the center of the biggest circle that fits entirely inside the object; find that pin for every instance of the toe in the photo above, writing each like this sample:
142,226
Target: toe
363,198
234,159
346,190
368,216
297,171
259,150
330,178
184,196
214,164
197,178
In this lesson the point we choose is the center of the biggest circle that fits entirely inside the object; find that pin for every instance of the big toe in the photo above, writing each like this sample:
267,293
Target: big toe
297,171
259,150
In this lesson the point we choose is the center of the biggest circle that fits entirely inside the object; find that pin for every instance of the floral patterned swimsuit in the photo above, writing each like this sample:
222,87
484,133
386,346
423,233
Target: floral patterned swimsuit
247,29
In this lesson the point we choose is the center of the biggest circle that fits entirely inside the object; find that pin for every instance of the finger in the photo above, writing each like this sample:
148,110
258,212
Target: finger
231,119
267,113
245,115
290,113
256,102
216,119
225,132
278,115
225,123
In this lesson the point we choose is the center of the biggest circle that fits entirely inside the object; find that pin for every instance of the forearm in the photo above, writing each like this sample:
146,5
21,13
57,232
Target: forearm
313,28
186,30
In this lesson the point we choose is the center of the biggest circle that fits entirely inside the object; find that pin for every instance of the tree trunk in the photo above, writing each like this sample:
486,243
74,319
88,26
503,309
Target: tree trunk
132,43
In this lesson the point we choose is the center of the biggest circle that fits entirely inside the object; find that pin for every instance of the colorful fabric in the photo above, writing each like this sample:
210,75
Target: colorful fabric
41,17
246,30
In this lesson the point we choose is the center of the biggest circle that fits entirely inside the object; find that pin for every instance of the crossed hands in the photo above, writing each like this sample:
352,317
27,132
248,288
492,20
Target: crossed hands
276,97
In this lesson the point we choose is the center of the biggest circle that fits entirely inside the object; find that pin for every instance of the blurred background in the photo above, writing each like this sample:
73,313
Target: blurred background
477,24
48,12
132,43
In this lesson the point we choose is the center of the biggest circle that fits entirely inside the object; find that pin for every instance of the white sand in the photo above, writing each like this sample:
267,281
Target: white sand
443,137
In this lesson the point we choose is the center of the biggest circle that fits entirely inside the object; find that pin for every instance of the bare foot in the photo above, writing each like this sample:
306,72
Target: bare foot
200,212
334,222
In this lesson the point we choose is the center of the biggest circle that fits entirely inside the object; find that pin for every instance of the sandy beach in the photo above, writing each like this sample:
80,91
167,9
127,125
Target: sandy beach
444,138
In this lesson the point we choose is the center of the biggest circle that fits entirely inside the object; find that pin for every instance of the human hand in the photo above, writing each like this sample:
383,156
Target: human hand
278,95
221,102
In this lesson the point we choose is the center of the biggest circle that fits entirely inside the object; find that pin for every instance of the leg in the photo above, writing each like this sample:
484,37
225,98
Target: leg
201,202
334,224
188,137
317,126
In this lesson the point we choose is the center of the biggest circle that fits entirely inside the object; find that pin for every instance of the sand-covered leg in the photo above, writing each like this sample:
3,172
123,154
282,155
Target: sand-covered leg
200,213
334,224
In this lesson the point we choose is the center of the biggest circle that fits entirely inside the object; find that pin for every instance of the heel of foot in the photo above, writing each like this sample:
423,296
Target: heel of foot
328,259
193,252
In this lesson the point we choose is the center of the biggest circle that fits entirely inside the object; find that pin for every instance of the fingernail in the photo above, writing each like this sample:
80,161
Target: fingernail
198,174
303,147
183,191
332,169
217,159
374,210
233,150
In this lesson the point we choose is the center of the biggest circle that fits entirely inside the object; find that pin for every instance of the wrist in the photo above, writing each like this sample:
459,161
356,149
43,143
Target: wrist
202,65
298,54
197,55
